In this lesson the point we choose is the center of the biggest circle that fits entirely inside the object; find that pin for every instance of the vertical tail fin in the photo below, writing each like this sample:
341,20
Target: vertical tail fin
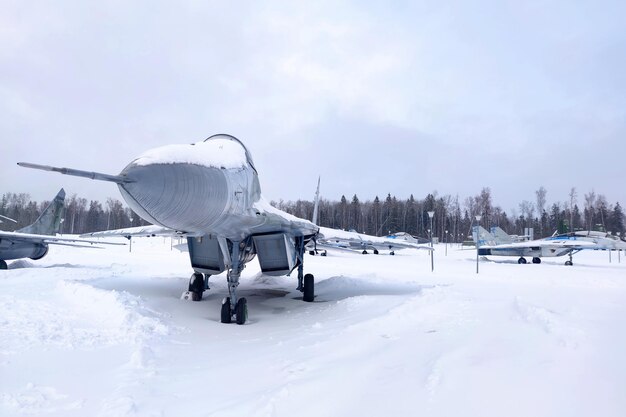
500,235
49,222
482,237
316,207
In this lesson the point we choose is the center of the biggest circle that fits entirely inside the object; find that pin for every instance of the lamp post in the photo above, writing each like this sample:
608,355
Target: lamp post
431,214
446,237
478,217
619,251
130,238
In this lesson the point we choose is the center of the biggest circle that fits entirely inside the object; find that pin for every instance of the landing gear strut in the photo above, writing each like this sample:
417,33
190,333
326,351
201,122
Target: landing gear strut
231,306
306,283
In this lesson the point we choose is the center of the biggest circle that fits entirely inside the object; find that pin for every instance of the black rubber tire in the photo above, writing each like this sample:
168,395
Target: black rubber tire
196,286
536,260
225,315
3,265
312,252
324,253
392,253
241,311
308,294
364,252
521,261
569,263
375,251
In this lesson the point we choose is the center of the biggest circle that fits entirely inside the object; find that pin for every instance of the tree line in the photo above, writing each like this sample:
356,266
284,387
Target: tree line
79,215
452,219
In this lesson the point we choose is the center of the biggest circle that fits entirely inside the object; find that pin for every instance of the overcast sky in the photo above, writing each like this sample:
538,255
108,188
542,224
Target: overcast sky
376,97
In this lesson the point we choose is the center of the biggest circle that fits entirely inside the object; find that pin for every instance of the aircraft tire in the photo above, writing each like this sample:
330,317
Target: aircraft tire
536,260
241,311
375,251
3,265
364,252
308,294
196,286
569,263
392,253
521,261
225,316
312,252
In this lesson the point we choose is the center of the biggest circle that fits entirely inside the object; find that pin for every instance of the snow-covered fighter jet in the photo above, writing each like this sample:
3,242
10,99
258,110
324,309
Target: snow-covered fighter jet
32,241
209,192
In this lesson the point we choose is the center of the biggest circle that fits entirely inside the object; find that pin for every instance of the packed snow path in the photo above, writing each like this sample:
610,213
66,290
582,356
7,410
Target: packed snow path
104,333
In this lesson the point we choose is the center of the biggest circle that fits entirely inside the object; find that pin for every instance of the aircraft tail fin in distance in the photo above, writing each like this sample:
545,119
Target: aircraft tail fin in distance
118,179
482,237
316,207
500,235
49,222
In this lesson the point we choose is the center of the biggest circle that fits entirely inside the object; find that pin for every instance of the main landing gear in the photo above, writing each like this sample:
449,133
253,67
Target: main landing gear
197,285
3,264
238,307
522,260
306,283
569,262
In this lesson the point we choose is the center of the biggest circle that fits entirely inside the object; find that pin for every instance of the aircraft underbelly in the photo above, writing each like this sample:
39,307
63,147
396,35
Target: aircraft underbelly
516,252
18,250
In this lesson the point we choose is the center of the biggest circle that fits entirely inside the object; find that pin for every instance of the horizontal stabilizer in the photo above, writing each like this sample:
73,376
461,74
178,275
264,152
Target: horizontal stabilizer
7,218
118,179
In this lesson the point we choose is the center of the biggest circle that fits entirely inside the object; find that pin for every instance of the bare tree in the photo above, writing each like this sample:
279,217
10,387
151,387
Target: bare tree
541,203
590,203
573,196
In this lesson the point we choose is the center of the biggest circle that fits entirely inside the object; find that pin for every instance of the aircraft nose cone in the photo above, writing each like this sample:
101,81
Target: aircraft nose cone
183,197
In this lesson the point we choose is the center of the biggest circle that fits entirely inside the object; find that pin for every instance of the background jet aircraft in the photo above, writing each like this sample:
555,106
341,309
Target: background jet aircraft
32,241
557,245
209,192
333,238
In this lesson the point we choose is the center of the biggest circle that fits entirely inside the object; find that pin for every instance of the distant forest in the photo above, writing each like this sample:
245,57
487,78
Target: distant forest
452,220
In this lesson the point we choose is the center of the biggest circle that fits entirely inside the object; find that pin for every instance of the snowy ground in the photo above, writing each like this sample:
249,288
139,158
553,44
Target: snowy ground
103,333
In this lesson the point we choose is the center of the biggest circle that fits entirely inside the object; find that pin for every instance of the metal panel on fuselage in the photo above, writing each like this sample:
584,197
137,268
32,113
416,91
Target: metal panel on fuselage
205,255
276,253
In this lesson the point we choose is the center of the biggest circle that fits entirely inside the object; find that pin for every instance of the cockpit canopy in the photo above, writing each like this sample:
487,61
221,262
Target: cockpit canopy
224,136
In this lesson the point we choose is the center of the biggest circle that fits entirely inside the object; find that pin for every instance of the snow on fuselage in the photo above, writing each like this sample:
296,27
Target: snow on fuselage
202,188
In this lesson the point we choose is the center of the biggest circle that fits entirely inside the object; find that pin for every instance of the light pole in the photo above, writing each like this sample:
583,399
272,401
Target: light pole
446,237
478,217
130,238
619,251
431,214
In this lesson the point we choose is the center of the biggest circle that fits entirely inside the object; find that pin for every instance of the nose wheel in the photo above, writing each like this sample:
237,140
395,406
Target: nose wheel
240,313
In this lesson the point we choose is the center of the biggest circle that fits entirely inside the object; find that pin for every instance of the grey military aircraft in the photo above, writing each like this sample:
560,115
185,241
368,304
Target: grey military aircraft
32,241
209,192
568,244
